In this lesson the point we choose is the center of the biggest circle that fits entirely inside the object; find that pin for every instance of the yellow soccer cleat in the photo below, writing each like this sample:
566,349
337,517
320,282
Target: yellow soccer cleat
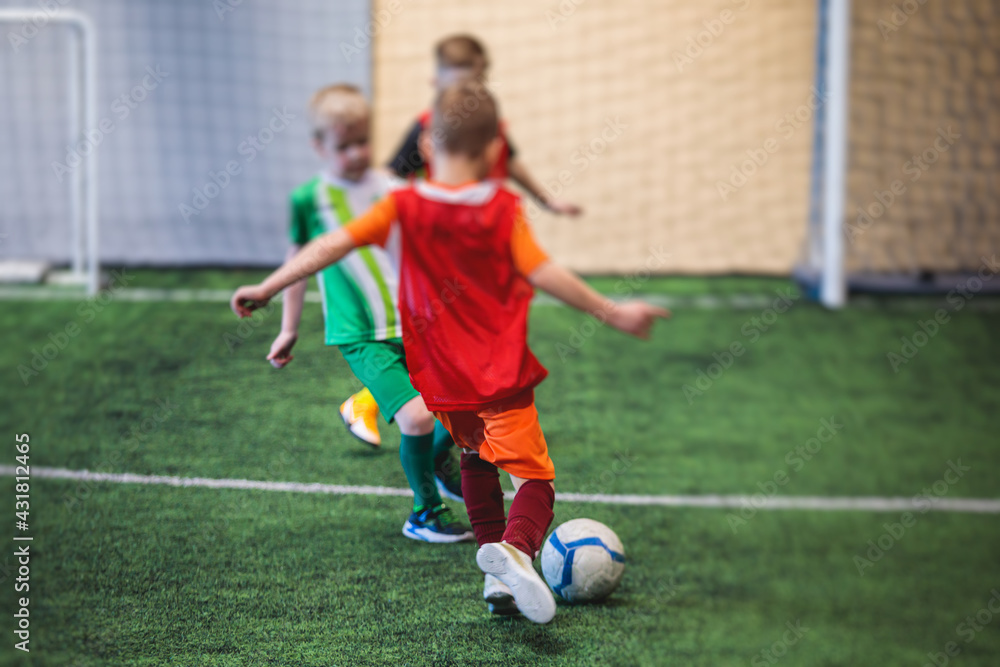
360,415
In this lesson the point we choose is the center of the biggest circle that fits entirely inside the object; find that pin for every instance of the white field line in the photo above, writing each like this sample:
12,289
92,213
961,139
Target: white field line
737,301
821,503
693,302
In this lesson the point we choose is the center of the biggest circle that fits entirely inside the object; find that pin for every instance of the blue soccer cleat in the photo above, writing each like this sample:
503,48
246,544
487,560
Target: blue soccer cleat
436,524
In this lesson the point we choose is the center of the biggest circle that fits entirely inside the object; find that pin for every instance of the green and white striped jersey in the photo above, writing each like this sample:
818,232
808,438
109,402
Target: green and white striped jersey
359,292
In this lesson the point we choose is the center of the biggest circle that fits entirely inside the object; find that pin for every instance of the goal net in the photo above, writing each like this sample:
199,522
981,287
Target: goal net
918,205
68,85
199,129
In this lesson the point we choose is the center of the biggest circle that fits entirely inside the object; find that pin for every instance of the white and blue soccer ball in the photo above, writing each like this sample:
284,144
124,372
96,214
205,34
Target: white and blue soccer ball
583,561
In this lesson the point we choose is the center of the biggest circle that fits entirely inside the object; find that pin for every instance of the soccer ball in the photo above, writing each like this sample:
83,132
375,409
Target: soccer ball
583,561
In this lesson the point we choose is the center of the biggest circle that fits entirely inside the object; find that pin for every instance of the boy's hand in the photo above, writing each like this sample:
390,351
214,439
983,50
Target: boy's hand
563,208
636,317
248,299
281,349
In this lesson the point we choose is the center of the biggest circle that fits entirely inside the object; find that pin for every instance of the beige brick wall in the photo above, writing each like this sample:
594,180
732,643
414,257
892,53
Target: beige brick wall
562,79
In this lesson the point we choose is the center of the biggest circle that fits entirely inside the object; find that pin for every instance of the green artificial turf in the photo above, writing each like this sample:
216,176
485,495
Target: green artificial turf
153,575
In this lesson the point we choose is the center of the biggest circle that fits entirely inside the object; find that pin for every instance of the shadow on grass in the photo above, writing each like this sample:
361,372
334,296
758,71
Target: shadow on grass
540,639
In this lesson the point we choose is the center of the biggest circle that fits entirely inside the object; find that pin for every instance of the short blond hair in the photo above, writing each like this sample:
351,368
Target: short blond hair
462,52
339,104
465,119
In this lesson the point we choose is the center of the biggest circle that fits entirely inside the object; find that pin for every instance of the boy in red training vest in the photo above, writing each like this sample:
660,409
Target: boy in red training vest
456,58
468,261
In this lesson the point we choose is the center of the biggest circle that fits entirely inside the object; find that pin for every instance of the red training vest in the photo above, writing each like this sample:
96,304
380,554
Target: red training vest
464,305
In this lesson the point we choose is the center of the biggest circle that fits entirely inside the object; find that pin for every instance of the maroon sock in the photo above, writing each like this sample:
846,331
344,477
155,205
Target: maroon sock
483,498
530,516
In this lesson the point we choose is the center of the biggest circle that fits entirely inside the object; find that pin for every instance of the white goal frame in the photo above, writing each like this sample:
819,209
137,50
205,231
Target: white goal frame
85,263
822,273
836,62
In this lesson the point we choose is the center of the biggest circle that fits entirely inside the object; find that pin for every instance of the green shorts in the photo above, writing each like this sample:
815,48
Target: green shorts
381,366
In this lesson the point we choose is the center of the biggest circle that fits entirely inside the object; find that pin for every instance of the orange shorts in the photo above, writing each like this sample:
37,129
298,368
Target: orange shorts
507,434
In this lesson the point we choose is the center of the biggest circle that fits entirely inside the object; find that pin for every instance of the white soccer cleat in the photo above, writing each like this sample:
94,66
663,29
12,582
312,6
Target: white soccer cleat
498,597
513,568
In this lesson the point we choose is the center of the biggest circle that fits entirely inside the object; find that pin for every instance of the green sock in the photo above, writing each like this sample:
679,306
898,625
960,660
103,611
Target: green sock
443,442
416,452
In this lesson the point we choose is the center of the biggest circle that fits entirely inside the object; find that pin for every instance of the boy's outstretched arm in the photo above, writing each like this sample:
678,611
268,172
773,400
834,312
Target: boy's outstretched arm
372,227
632,317
315,255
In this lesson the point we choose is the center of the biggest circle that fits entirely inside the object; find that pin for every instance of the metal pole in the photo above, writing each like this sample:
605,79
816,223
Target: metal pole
75,130
89,37
833,287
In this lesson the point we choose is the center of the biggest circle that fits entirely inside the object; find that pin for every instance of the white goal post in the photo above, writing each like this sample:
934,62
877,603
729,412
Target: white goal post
835,59
84,262
905,159
822,272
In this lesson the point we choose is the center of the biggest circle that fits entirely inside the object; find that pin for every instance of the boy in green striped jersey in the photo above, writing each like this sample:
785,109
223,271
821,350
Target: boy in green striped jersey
359,305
